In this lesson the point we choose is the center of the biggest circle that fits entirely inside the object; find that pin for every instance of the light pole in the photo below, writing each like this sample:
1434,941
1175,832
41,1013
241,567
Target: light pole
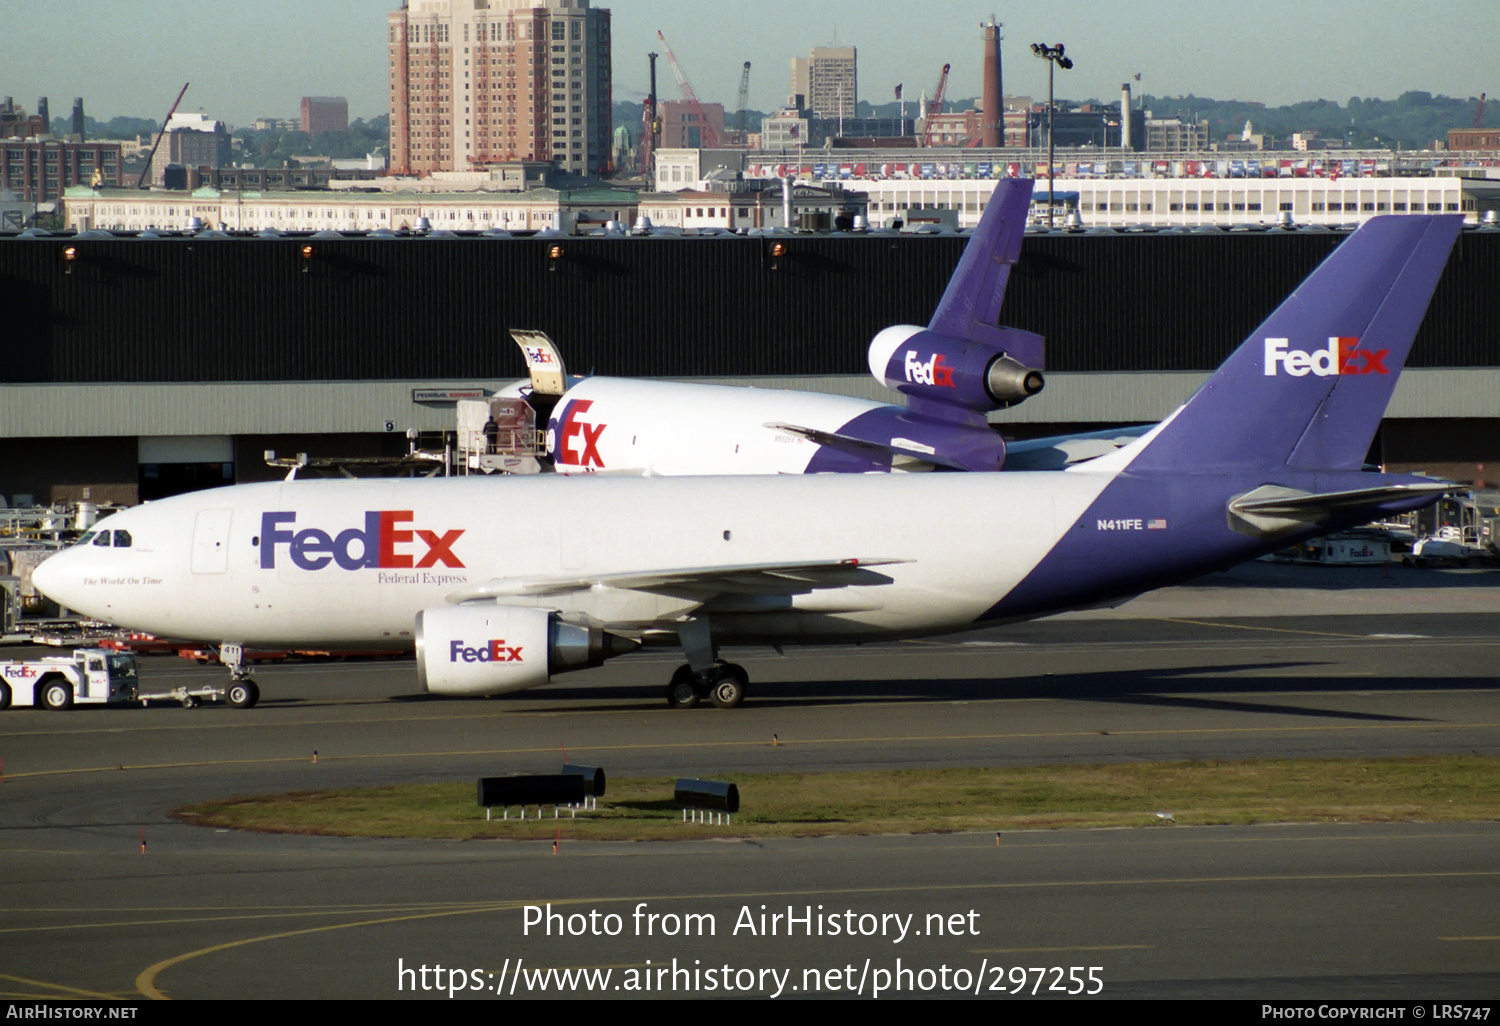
1053,55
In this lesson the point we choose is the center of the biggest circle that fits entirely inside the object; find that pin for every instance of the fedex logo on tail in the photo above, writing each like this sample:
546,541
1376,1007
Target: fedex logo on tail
493,651
933,372
382,543
1342,356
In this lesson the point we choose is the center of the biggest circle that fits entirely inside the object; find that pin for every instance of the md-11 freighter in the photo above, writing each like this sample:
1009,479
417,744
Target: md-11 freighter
951,373
501,583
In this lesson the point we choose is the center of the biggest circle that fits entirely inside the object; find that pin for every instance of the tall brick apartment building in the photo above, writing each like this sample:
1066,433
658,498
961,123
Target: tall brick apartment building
476,82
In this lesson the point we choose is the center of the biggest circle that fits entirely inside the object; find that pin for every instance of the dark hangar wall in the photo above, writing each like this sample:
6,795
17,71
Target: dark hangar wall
252,309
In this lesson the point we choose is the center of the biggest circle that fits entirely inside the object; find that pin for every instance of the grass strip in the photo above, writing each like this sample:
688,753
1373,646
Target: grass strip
1418,789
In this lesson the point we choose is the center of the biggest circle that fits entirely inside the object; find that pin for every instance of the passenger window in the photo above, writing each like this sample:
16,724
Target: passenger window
103,540
122,539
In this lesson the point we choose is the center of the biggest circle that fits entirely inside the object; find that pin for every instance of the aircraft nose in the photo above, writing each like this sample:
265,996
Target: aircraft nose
51,578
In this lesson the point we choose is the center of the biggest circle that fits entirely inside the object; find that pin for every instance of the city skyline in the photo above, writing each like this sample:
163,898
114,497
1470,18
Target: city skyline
250,62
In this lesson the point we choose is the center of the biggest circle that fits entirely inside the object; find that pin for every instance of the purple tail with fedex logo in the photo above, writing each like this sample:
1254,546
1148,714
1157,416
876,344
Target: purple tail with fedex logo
1269,451
1308,388
964,364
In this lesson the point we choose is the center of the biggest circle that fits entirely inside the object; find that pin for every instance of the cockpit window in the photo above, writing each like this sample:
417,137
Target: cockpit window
122,539
102,540
86,538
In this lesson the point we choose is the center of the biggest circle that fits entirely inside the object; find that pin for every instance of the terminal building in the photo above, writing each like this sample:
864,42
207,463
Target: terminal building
139,365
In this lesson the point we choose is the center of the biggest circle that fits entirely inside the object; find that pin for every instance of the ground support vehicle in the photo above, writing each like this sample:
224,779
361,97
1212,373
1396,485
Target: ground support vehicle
87,676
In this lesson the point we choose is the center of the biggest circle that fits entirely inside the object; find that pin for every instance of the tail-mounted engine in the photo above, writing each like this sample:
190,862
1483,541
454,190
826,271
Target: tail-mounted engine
489,650
966,375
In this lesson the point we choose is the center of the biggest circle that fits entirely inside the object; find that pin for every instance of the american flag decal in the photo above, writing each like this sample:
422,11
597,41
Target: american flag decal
1156,525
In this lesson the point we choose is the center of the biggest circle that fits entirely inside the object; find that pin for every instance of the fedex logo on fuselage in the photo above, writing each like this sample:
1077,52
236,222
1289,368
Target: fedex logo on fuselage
493,651
1341,357
578,440
382,543
930,372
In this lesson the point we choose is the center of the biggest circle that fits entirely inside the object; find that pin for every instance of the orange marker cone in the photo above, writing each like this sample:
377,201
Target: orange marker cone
143,840
557,840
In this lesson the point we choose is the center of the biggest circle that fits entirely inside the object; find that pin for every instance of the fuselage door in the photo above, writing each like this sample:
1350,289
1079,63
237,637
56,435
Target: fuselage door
548,375
211,541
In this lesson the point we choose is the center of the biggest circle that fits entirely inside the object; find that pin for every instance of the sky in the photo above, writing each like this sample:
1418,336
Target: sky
259,59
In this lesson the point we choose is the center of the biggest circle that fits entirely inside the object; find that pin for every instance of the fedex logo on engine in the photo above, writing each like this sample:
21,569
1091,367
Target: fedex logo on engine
383,542
933,372
578,440
493,651
1342,356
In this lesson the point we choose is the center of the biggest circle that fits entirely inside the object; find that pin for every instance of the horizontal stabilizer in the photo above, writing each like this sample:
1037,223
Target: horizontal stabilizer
1272,509
1055,452
747,579
865,447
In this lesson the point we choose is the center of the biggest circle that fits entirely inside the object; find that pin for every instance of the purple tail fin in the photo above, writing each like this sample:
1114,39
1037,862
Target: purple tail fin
1308,388
970,307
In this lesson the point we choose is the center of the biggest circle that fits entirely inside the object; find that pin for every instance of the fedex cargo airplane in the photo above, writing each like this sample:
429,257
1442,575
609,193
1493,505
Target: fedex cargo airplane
954,371
502,583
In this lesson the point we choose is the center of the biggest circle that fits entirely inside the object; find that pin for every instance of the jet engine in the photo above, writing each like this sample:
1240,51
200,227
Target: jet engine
968,375
489,649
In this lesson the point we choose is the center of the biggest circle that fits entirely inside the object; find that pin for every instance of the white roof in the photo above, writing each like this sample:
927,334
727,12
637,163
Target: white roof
196,121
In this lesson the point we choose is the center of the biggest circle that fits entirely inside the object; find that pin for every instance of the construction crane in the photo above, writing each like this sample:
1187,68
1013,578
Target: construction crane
650,124
707,136
935,107
141,181
741,115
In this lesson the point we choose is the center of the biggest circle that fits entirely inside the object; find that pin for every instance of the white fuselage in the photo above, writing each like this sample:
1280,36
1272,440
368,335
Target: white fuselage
672,428
261,564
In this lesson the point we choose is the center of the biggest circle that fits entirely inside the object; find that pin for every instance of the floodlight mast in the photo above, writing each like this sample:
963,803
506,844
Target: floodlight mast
1054,57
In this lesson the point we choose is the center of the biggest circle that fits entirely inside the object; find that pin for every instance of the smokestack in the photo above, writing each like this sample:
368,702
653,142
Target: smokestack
1125,116
992,130
41,109
78,118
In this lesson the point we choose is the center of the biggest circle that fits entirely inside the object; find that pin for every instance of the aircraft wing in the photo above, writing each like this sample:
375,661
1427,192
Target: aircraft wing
705,582
865,447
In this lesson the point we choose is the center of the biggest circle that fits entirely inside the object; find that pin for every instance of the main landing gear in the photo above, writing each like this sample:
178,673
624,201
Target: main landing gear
723,684
704,677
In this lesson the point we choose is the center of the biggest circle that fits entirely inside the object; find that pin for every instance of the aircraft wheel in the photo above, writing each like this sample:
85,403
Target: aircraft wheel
243,694
57,694
729,690
682,692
